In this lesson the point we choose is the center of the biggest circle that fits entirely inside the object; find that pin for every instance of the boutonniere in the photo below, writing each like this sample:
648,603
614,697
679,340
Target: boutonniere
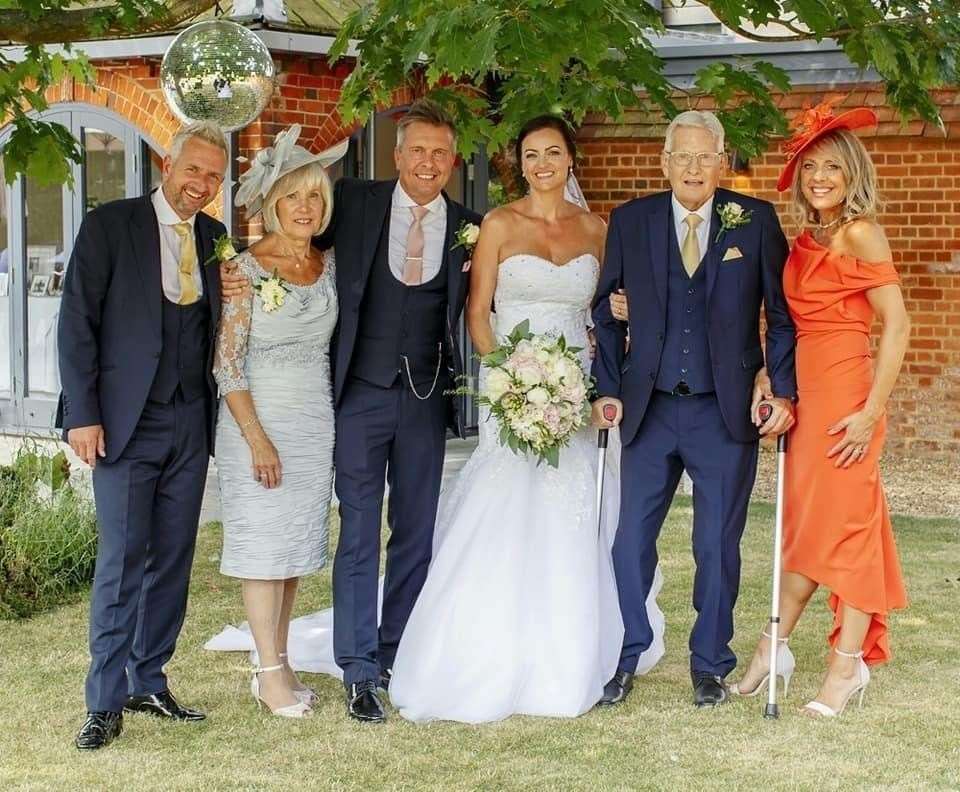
272,292
732,215
223,250
467,236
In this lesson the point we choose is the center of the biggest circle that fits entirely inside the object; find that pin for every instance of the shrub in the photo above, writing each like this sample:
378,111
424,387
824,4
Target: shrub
48,535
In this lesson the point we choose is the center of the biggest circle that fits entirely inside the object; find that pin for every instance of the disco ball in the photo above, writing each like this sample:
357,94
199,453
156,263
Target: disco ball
217,71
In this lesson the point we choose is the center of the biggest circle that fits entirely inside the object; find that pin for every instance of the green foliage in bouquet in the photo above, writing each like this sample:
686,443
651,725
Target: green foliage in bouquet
48,536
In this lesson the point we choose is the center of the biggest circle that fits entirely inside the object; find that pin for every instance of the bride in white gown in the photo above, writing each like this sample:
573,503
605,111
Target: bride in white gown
519,613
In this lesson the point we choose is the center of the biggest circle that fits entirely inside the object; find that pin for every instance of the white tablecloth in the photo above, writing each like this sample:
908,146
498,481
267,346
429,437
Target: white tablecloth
44,374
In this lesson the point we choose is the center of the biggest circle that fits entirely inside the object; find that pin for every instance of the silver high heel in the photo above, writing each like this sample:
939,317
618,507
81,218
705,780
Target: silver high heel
863,673
305,694
298,710
786,664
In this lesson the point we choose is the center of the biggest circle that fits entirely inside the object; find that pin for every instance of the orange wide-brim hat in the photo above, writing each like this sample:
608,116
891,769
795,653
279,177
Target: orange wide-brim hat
811,125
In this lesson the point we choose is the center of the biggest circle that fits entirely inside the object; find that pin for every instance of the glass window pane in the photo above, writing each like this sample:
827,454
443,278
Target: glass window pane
104,172
4,287
152,172
44,279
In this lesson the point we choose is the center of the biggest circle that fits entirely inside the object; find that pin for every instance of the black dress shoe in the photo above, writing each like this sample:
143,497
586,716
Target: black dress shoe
708,690
99,730
163,705
385,676
616,689
363,703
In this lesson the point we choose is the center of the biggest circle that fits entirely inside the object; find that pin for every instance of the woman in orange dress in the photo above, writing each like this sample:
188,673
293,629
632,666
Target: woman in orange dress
837,530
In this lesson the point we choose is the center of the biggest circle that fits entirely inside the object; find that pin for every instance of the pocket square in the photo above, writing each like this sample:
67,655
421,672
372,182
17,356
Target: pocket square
732,253
466,265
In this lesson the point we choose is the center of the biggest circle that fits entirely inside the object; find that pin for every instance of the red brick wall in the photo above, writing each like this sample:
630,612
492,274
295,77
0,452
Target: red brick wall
919,171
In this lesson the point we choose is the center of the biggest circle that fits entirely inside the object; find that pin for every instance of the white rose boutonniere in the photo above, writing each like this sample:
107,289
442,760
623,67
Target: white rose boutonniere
467,236
732,215
223,250
272,292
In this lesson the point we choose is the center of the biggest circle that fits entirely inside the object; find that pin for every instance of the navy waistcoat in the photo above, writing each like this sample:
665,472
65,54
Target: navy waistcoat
686,354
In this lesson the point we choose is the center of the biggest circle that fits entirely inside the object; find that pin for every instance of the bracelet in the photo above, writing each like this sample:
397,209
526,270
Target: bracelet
247,423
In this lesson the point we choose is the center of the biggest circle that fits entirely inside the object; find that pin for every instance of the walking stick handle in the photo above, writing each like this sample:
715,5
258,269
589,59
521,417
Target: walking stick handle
603,436
765,410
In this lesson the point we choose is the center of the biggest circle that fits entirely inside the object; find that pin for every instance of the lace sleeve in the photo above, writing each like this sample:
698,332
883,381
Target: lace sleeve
231,352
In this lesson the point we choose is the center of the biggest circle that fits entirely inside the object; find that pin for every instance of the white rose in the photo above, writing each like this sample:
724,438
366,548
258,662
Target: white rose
538,396
529,374
542,355
272,295
471,233
498,383
733,210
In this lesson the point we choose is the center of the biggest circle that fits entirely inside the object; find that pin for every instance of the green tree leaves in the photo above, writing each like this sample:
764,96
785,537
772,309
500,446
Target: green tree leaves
524,57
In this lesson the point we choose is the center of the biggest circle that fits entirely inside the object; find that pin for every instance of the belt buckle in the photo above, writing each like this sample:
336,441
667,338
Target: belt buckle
681,389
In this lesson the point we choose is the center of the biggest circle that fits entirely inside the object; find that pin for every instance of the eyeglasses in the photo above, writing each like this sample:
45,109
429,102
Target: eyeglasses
705,159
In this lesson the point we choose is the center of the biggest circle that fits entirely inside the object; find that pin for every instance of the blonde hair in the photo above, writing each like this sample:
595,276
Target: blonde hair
862,198
312,176
205,130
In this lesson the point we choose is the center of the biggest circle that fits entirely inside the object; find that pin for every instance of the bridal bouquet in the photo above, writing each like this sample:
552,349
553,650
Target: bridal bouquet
537,391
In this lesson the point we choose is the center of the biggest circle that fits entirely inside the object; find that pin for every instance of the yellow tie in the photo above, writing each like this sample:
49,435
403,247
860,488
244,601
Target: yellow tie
188,263
690,252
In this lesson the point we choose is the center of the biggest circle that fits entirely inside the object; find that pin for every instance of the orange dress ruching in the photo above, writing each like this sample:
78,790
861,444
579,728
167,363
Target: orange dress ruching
837,527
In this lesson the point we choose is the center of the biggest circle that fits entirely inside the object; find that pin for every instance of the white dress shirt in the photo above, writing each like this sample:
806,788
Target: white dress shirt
434,226
170,247
680,213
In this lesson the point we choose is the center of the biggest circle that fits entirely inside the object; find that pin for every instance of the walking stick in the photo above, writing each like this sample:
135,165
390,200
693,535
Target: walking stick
772,710
603,436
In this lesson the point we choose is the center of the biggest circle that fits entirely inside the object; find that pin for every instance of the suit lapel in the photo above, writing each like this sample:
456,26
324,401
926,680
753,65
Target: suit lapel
658,232
210,273
145,239
376,217
453,259
711,260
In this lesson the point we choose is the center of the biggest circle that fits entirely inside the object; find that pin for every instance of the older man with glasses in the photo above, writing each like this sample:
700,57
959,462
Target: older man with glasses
695,263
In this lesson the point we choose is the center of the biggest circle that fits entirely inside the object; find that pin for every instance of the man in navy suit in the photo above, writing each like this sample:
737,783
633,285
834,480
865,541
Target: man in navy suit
402,283
138,320
695,264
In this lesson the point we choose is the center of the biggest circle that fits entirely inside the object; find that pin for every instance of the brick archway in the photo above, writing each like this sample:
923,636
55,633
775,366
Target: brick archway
118,89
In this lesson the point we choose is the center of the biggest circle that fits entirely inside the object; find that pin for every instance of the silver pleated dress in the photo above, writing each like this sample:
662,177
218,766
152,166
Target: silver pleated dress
282,358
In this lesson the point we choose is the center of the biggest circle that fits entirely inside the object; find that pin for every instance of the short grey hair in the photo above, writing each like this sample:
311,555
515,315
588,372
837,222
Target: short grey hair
205,130
426,111
695,118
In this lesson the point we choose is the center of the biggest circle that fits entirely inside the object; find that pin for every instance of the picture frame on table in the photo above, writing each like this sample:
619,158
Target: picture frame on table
39,285
56,284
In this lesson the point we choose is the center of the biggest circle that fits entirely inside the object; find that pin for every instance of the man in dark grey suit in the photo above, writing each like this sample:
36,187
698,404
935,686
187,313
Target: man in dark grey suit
137,322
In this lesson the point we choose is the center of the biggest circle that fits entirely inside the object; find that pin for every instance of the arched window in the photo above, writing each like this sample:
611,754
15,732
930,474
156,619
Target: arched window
37,228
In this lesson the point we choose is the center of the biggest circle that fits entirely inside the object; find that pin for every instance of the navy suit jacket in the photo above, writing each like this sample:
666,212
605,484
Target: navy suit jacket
636,260
110,331
361,211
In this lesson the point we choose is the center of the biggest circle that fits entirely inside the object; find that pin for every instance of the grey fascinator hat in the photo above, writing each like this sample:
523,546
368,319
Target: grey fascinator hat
275,161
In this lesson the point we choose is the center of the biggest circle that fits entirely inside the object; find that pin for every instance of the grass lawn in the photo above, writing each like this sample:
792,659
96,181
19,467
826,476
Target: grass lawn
906,737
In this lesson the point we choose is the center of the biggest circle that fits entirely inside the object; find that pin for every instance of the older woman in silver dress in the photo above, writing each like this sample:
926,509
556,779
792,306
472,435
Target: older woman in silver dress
275,442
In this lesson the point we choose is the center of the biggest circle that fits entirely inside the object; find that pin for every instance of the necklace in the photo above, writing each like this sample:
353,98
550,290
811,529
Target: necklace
831,224
299,262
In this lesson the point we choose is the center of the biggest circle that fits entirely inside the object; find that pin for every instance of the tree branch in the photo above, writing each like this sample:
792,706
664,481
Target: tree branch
76,24
808,36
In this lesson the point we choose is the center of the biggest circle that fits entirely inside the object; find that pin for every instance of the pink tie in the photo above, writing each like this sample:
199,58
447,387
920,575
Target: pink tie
413,265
